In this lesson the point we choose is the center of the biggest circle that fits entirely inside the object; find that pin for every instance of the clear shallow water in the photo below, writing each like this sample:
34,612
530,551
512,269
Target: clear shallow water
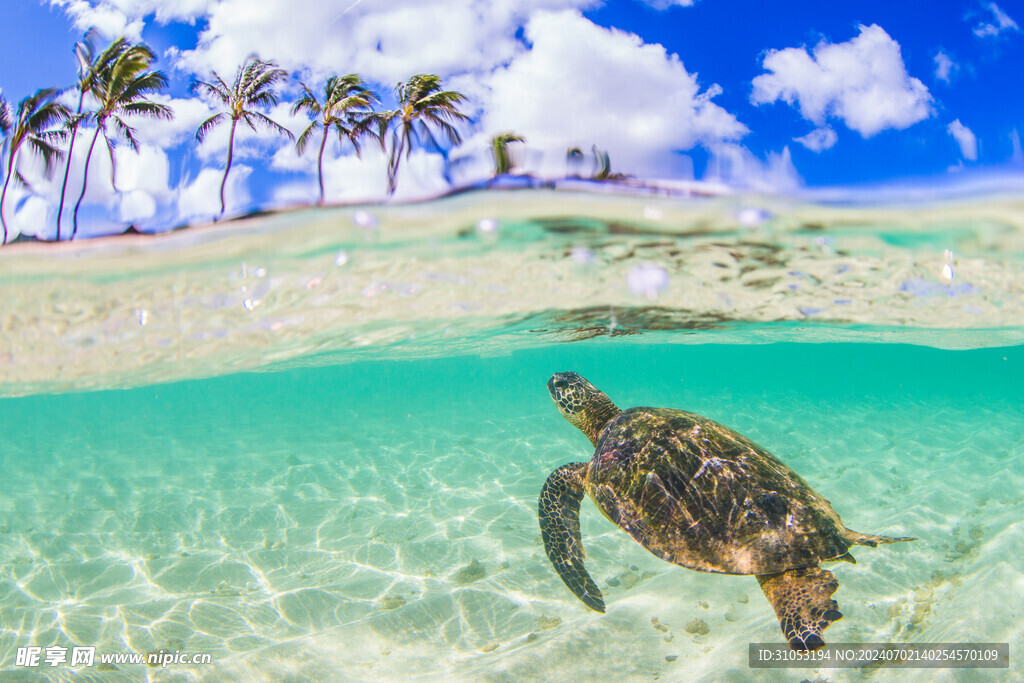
367,511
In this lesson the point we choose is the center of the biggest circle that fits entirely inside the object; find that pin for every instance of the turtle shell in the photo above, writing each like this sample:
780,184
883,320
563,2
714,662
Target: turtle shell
699,495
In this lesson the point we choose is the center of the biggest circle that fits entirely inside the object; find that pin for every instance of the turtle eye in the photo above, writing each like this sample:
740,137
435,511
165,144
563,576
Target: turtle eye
561,384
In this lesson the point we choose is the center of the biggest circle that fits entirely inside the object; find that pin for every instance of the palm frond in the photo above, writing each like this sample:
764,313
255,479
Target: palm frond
125,131
23,180
264,75
311,129
45,149
308,102
6,118
85,52
254,117
150,110
217,90
113,159
140,86
209,124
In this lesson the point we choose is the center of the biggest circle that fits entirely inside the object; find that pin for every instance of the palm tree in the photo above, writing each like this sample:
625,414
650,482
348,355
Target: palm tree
573,159
499,149
33,124
253,87
345,107
90,66
421,104
121,88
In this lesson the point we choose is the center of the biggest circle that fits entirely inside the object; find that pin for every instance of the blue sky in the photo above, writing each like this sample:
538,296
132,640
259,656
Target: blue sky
770,96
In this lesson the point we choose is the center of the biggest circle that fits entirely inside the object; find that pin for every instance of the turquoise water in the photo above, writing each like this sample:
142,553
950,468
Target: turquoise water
368,512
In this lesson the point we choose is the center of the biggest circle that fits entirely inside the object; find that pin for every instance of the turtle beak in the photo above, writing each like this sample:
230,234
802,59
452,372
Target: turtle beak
557,383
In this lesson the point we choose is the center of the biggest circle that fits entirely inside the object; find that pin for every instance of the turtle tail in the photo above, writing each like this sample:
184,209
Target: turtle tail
559,510
872,540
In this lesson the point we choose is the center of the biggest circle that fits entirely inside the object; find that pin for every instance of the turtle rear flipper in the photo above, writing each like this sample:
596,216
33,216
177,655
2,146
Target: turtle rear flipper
802,599
559,509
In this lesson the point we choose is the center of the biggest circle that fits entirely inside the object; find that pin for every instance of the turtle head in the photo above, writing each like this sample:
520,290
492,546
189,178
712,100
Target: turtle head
581,403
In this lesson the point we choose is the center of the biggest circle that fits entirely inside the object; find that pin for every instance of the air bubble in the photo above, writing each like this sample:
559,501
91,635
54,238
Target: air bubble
752,217
583,256
364,219
647,280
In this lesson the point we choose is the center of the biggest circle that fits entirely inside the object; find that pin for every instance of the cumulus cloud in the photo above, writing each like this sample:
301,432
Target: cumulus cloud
1000,23
944,66
348,178
114,18
385,42
580,85
143,180
819,139
965,138
736,166
200,198
189,112
862,82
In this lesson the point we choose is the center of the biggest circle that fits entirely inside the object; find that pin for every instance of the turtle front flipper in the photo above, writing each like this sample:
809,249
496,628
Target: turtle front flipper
560,526
802,599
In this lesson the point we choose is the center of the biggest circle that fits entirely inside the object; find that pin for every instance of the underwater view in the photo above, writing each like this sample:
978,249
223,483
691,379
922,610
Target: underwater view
311,443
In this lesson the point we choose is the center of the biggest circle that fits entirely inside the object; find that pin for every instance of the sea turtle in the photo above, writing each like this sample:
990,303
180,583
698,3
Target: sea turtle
699,495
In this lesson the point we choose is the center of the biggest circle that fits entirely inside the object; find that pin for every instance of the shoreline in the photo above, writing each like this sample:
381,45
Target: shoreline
1007,187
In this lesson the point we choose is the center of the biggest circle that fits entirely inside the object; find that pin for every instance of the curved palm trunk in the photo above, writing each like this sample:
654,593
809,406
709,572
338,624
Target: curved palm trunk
227,168
320,164
3,195
67,169
85,183
396,159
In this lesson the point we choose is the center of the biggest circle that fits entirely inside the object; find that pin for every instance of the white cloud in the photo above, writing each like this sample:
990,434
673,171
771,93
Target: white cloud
385,42
736,166
137,205
189,112
944,66
32,216
1017,156
819,139
348,178
105,16
965,138
1001,22
139,175
200,199
582,85
114,18
862,82
665,4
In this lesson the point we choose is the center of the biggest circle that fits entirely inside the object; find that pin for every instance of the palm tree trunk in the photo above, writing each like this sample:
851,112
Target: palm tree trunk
320,164
85,182
3,195
227,168
396,159
67,169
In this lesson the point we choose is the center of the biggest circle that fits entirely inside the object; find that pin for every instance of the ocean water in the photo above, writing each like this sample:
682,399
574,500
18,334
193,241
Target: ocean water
310,443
